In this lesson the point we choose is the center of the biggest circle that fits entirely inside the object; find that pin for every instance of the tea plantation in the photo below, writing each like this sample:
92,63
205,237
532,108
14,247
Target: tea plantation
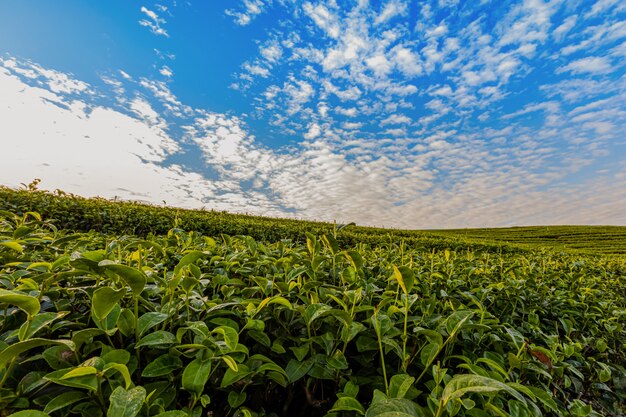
123,310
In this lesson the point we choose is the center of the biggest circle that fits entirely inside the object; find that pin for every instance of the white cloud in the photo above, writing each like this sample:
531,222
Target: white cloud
406,61
379,64
313,132
153,22
399,131
298,93
392,9
323,18
271,52
563,29
251,9
445,91
528,21
166,71
395,119
349,94
437,32
352,125
256,69
593,65
597,37
602,6
144,110
349,112
401,90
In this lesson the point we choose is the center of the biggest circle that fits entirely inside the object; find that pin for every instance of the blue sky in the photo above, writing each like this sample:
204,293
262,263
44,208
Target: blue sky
412,114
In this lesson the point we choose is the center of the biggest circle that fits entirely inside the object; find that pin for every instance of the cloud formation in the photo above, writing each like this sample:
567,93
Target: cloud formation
153,21
124,150
441,114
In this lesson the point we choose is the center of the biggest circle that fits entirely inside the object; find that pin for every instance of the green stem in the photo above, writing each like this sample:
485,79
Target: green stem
382,353
137,329
404,335
440,408
8,372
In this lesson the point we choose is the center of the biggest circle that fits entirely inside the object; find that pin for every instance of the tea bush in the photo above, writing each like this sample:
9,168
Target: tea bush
187,324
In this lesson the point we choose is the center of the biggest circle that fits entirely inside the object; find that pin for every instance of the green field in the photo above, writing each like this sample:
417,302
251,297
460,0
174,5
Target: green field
588,239
124,309
76,213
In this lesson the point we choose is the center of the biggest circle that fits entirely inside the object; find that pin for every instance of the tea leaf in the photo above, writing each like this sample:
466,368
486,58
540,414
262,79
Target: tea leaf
159,339
348,404
126,403
149,320
64,400
459,385
29,304
163,365
134,278
196,375
104,300
13,351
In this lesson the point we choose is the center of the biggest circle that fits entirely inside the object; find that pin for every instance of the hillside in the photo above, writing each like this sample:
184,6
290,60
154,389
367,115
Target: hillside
82,214
124,309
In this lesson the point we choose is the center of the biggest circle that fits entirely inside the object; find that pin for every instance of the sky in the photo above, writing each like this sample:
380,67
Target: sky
396,113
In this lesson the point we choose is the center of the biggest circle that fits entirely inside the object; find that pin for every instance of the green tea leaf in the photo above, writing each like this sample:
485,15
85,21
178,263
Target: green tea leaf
12,245
297,369
29,413
196,375
80,371
63,400
173,413
120,356
126,403
394,407
231,336
121,369
235,399
29,304
399,385
13,351
104,300
163,365
230,376
348,404
134,278
405,278
40,321
459,385
88,381
149,320
230,362
189,258
160,339
314,311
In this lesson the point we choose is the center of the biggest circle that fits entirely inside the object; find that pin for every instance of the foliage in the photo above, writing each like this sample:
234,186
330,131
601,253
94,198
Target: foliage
587,239
187,324
123,217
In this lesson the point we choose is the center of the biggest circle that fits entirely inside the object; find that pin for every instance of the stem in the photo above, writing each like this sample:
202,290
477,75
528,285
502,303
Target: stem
194,400
100,396
137,329
28,323
404,335
8,372
382,353
440,408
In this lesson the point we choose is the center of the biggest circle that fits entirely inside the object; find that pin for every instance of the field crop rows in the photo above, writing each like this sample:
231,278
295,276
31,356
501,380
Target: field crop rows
79,214
590,239
188,324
